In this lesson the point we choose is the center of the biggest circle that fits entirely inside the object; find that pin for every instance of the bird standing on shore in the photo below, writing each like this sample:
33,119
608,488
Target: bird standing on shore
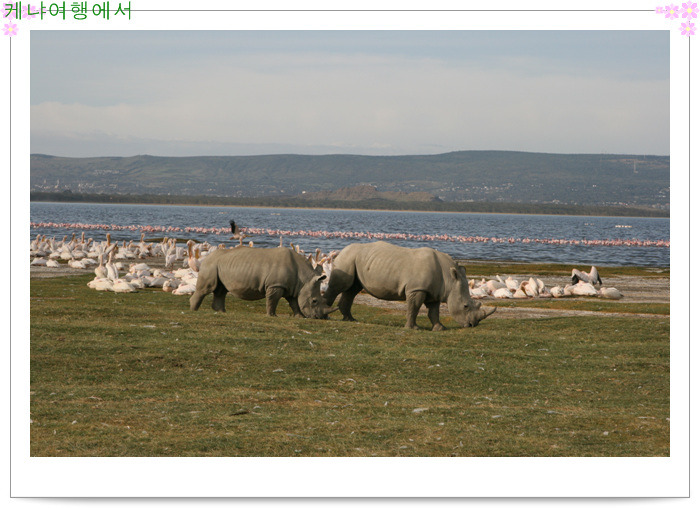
235,230
237,235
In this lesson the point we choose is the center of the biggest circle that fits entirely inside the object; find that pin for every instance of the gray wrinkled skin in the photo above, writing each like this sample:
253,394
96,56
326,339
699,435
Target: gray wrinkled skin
421,276
255,273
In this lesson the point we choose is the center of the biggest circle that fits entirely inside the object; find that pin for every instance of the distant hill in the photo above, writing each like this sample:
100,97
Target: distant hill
478,176
361,204
364,192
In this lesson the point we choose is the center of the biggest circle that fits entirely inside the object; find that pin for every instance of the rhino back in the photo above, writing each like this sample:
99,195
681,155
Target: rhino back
389,272
248,272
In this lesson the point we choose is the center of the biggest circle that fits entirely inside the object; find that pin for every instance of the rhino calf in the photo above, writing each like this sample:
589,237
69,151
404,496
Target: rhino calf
418,276
256,273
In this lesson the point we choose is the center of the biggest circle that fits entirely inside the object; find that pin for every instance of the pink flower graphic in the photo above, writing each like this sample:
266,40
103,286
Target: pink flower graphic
688,29
660,9
690,10
27,10
671,11
10,29
8,14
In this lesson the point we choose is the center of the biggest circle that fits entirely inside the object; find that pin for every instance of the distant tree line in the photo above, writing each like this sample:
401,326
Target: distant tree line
367,204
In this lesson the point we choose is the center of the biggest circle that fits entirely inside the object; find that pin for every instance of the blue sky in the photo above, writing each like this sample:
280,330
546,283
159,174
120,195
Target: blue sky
373,92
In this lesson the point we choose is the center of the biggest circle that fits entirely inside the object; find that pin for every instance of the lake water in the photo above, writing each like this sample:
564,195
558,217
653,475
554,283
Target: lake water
575,240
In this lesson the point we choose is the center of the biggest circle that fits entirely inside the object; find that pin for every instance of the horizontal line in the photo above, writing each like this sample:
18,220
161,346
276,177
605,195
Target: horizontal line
392,10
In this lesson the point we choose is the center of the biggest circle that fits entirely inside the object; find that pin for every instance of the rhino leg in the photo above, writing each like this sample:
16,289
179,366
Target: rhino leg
294,304
414,300
434,316
207,282
346,299
219,302
196,299
273,295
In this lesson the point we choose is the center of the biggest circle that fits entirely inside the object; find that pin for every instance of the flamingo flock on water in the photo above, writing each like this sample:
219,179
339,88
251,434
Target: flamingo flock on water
352,235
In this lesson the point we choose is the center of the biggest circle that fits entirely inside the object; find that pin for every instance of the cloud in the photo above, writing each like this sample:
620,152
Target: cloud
352,101
358,103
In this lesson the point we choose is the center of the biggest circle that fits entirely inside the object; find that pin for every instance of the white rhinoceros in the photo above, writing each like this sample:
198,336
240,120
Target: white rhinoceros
255,273
418,276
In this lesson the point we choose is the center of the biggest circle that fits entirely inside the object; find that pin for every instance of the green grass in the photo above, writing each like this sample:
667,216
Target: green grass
141,375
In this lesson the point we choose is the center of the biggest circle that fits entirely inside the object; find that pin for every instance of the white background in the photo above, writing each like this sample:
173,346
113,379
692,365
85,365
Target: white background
341,477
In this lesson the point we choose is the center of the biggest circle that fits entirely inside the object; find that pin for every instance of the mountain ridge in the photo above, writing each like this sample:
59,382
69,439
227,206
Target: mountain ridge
474,175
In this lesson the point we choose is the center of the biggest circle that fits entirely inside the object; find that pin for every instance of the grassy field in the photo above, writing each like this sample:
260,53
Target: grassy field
141,375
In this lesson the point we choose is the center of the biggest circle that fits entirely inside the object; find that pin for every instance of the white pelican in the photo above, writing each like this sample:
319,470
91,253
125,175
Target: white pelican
170,257
138,267
611,293
557,291
191,260
592,276
512,284
190,278
66,254
585,289
520,292
137,283
101,271
493,285
101,284
479,292
531,288
155,282
502,293
122,286
170,284
74,263
185,289
112,271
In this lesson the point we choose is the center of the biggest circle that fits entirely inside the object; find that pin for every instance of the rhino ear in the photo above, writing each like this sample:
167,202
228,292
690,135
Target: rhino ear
458,272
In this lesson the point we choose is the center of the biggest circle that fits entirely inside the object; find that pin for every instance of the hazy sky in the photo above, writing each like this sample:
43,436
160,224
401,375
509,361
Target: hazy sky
99,93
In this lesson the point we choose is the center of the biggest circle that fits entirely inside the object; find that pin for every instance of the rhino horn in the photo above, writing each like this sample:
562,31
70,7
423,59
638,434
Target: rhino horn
329,310
486,312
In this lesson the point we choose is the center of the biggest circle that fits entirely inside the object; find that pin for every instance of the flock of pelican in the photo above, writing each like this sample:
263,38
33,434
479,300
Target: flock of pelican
582,284
122,268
